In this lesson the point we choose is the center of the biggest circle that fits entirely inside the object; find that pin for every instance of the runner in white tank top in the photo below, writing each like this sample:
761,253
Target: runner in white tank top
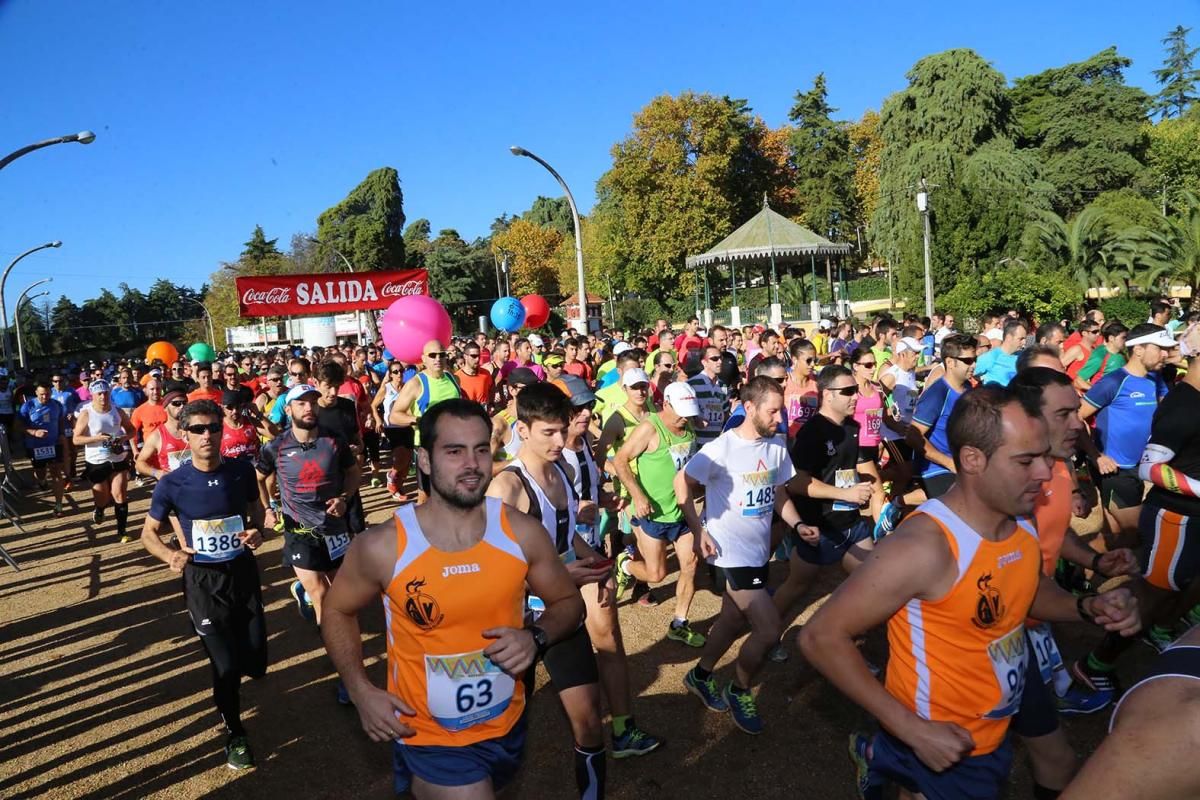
104,432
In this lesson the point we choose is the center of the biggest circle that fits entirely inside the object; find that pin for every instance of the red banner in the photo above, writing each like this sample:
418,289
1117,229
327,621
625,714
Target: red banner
326,293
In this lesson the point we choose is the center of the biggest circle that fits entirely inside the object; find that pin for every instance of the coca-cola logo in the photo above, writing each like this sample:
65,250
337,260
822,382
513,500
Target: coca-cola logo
402,289
274,295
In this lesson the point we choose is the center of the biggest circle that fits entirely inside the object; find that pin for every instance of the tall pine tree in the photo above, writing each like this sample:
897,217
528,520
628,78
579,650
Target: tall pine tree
1177,76
824,169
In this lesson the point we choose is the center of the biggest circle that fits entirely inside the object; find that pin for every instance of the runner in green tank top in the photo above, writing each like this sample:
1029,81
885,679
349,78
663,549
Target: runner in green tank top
618,423
420,393
660,447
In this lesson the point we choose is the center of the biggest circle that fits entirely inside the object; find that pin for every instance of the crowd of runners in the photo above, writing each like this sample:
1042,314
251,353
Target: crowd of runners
538,482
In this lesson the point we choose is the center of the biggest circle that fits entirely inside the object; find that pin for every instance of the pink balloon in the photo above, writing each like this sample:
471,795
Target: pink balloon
412,322
537,310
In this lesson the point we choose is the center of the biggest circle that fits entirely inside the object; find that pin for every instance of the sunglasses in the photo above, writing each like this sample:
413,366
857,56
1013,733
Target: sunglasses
968,361
667,366
177,403
780,381
713,358
844,391
441,354
296,374
867,364
200,428
276,379
471,355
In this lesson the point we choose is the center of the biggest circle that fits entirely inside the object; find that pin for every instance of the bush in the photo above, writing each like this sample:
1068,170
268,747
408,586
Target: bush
1129,310
637,313
1045,296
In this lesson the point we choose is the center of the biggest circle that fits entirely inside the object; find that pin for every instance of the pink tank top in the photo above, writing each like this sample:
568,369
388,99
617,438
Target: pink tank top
869,416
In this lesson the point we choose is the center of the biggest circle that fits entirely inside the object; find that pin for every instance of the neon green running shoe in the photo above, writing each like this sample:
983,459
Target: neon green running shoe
625,581
684,633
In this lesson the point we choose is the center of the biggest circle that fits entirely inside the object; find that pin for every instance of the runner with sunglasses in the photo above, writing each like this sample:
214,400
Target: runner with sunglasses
399,438
166,448
801,397
868,413
934,464
424,390
476,383
213,506
712,395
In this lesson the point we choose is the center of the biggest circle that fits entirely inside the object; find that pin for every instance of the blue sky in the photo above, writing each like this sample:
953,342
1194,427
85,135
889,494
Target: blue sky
211,118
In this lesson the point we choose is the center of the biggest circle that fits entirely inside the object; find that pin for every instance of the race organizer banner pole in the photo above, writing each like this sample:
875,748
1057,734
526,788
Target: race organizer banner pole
281,295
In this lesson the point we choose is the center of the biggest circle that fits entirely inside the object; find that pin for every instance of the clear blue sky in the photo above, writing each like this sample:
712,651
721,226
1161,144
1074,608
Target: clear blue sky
213,117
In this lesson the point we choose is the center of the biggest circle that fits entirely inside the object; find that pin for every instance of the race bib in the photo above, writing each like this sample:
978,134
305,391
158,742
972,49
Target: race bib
216,540
337,545
844,479
177,459
465,689
758,502
874,421
44,453
1008,655
681,453
1045,649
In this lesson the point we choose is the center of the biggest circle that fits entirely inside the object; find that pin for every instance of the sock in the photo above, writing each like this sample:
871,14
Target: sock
700,672
619,723
678,623
121,511
1096,664
625,567
1044,793
590,772
735,689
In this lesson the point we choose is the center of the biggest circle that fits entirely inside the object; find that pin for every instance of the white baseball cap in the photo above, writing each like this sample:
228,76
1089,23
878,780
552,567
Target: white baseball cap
634,376
908,343
1159,337
621,347
994,333
682,399
536,340
825,324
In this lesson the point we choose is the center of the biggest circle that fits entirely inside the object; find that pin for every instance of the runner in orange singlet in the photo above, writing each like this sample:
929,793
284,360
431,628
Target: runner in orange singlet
955,583
452,573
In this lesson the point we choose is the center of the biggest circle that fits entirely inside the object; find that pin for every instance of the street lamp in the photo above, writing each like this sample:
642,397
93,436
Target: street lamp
583,318
207,317
83,137
17,315
357,314
8,362
923,207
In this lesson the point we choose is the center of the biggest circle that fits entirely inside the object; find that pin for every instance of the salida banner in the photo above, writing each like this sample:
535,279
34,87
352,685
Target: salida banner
281,295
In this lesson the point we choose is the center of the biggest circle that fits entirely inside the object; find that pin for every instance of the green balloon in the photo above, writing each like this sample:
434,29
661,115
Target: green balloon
201,352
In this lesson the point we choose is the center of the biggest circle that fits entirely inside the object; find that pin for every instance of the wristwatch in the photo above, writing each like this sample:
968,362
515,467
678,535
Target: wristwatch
540,639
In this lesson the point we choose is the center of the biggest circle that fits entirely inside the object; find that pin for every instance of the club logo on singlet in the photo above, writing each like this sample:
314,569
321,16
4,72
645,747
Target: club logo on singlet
421,608
989,608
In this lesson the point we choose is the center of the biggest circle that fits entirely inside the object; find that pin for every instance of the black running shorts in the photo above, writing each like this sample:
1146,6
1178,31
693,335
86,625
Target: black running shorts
225,608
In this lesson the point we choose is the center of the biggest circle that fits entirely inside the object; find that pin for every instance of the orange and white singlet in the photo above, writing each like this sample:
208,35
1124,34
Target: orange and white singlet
437,606
961,658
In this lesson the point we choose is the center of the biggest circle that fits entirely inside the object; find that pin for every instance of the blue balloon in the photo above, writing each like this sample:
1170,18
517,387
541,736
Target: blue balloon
508,314
387,355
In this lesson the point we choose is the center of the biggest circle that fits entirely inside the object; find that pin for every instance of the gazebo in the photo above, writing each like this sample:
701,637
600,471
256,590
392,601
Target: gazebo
767,238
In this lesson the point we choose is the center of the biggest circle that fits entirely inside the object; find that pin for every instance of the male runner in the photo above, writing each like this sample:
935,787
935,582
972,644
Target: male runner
316,472
537,484
742,472
452,573
712,395
166,448
505,441
476,383
954,583
999,364
205,389
661,446
424,390
935,463
217,508
43,422
104,432
62,391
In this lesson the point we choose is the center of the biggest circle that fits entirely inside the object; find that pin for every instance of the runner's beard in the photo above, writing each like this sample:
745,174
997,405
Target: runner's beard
304,424
456,495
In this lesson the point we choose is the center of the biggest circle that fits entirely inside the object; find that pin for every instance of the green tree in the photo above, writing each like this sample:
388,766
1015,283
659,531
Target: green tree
1177,77
66,319
1086,126
1076,248
368,226
553,213
690,171
1182,242
824,170
1174,159
259,247
416,244
1043,294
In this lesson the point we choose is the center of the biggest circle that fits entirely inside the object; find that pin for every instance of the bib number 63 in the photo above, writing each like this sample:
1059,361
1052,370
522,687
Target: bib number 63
473,695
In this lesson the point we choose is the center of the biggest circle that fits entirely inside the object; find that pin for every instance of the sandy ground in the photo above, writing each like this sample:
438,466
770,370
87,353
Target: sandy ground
105,692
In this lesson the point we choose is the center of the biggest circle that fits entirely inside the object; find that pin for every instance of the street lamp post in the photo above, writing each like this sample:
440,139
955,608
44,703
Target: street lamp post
8,362
357,314
923,207
207,318
83,137
583,317
17,315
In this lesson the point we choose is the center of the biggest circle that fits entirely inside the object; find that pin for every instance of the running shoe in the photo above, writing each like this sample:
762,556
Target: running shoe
744,710
237,753
1081,700
625,581
634,742
393,482
707,690
1094,681
304,607
375,482
647,599
126,538
1157,638
889,518
97,516
343,697
58,509
684,633
859,747
138,483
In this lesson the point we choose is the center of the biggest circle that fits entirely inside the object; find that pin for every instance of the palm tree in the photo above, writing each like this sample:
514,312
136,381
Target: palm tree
1136,258
1181,242
1077,247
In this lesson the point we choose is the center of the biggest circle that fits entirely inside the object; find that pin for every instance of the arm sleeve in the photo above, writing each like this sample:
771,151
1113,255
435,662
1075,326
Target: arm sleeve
929,406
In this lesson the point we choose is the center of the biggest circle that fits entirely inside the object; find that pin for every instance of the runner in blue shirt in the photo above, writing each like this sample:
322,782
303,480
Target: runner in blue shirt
42,420
934,464
999,365
62,391
1124,402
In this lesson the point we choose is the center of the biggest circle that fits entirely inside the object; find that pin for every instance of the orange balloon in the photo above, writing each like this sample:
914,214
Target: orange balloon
161,351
